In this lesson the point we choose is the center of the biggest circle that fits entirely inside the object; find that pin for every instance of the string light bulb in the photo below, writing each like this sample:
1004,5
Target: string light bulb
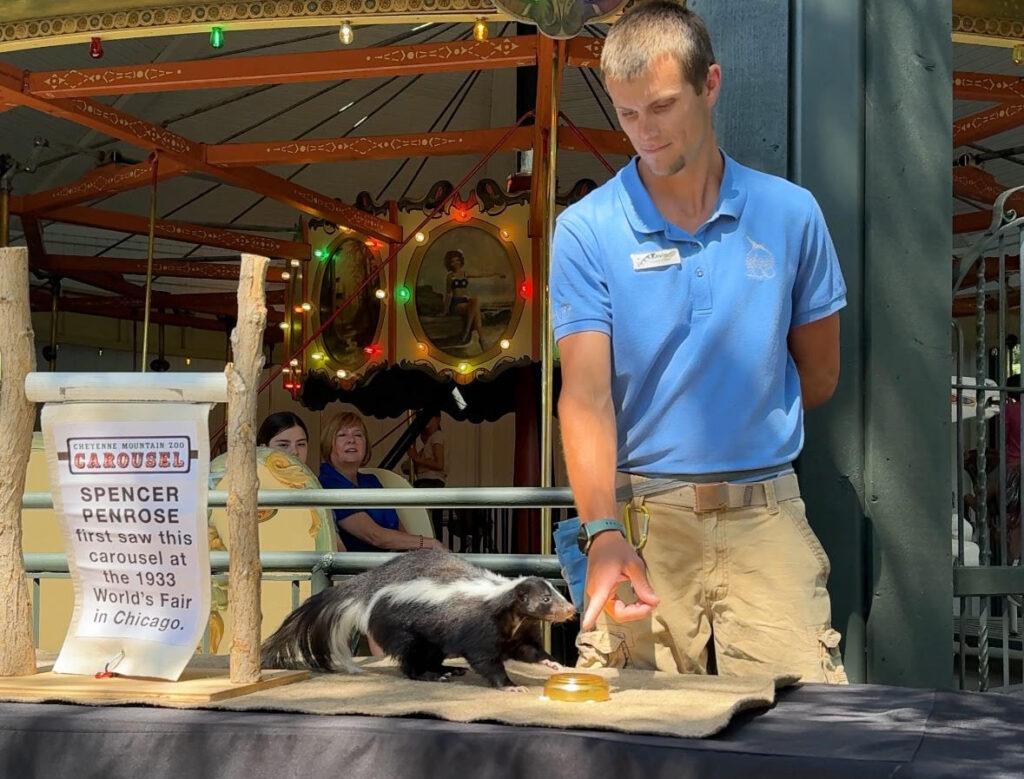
188,361
307,306
345,33
96,48
403,294
1018,54
505,234
317,356
283,325
420,237
285,275
297,309
422,347
380,294
505,343
217,37
341,374
480,30
318,253
463,367
296,263
293,362
526,289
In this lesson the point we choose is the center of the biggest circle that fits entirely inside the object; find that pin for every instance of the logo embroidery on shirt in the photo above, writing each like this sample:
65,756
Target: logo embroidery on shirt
562,312
760,261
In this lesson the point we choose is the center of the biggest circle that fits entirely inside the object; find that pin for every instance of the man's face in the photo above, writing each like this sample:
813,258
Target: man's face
667,122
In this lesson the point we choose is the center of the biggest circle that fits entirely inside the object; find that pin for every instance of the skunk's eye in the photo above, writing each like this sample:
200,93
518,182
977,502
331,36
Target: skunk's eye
546,599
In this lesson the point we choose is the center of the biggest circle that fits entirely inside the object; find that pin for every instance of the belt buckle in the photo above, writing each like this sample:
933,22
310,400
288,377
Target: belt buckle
710,497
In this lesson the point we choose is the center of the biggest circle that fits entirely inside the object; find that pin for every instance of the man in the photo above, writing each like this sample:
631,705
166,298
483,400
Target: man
695,306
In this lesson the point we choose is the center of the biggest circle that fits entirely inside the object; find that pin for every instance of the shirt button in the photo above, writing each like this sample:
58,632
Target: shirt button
700,273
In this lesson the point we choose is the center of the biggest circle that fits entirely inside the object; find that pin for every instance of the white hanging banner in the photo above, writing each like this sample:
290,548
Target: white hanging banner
129,483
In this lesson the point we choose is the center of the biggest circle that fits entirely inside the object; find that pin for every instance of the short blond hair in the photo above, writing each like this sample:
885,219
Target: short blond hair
330,431
650,30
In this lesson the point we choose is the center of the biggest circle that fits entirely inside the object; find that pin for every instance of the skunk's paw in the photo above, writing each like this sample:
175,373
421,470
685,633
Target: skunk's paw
514,688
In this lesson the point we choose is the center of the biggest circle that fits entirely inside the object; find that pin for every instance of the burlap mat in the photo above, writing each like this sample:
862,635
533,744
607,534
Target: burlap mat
641,701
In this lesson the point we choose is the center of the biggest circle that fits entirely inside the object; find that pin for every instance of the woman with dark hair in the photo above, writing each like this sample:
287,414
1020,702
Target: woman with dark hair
286,431
457,299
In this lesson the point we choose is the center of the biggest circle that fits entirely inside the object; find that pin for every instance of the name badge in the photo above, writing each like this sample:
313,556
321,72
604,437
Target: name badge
657,259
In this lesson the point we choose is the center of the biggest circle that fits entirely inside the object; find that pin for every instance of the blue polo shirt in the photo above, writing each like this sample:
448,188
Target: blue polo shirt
702,379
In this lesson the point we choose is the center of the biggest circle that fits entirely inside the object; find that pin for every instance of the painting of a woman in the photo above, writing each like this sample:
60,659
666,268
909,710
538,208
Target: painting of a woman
459,300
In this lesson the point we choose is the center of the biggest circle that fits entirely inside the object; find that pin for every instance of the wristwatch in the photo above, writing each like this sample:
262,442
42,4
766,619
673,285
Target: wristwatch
590,530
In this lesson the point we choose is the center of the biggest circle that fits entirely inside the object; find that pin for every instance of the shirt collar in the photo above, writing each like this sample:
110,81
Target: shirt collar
644,216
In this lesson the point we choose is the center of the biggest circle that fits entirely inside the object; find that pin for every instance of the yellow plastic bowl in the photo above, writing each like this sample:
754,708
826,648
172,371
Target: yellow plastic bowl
576,687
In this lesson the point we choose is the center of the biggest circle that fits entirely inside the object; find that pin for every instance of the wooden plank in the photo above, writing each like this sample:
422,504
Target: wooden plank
226,72
605,141
377,147
189,269
585,52
972,222
181,231
991,121
101,182
992,87
117,124
196,687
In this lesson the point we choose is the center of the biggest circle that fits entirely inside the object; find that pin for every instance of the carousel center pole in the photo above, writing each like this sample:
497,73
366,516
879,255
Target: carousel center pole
155,164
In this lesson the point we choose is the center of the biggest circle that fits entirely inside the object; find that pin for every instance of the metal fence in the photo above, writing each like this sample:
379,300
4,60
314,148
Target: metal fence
988,470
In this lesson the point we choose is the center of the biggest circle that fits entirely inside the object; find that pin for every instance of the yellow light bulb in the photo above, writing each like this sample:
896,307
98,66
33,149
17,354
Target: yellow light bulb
480,30
505,234
345,33
381,294
317,355
188,360
505,343
464,367
420,237
421,346
342,374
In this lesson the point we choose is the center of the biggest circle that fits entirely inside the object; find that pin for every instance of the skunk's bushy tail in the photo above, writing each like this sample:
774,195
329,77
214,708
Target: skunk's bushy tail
317,634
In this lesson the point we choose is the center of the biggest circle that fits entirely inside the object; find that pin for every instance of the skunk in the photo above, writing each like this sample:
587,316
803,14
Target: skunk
422,607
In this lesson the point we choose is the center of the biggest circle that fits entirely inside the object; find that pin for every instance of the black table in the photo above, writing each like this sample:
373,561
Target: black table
860,731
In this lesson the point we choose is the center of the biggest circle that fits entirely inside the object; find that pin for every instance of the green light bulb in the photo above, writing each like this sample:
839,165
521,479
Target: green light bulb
217,37
403,294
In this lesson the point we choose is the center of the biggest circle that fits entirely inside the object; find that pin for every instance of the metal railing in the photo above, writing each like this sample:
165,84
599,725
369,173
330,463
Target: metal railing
991,587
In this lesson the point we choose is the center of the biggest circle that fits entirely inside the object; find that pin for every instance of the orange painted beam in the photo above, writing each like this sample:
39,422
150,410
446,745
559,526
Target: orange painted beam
107,180
972,222
585,52
117,124
992,87
981,186
965,306
376,147
187,269
380,62
605,141
181,231
991,121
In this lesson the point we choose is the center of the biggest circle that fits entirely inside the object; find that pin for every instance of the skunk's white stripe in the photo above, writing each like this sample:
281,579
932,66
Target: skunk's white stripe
432,593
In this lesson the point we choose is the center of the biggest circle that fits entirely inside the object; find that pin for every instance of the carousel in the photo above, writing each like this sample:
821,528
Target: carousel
256,206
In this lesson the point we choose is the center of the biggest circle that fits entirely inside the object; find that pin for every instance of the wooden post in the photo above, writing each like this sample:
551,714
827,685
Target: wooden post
17,359
243,376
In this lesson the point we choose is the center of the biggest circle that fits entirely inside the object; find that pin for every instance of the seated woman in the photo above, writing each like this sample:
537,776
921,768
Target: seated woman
285,431
344,447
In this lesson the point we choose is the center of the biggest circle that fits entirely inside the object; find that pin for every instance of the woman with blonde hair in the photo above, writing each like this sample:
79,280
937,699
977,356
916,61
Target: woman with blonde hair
344,447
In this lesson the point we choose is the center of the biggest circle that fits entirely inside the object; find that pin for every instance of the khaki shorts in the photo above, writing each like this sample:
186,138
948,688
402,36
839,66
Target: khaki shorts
750,578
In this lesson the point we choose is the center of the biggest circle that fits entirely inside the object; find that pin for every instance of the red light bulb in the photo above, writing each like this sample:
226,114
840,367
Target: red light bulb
526,289
96,48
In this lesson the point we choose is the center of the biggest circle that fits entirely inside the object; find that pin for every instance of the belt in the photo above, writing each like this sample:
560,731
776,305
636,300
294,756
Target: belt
715,496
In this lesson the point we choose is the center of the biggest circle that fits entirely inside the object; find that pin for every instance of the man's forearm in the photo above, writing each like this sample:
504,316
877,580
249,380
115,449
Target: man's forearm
589,442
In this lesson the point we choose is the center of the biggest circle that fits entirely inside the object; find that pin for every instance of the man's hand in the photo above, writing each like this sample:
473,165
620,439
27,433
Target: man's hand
612,559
